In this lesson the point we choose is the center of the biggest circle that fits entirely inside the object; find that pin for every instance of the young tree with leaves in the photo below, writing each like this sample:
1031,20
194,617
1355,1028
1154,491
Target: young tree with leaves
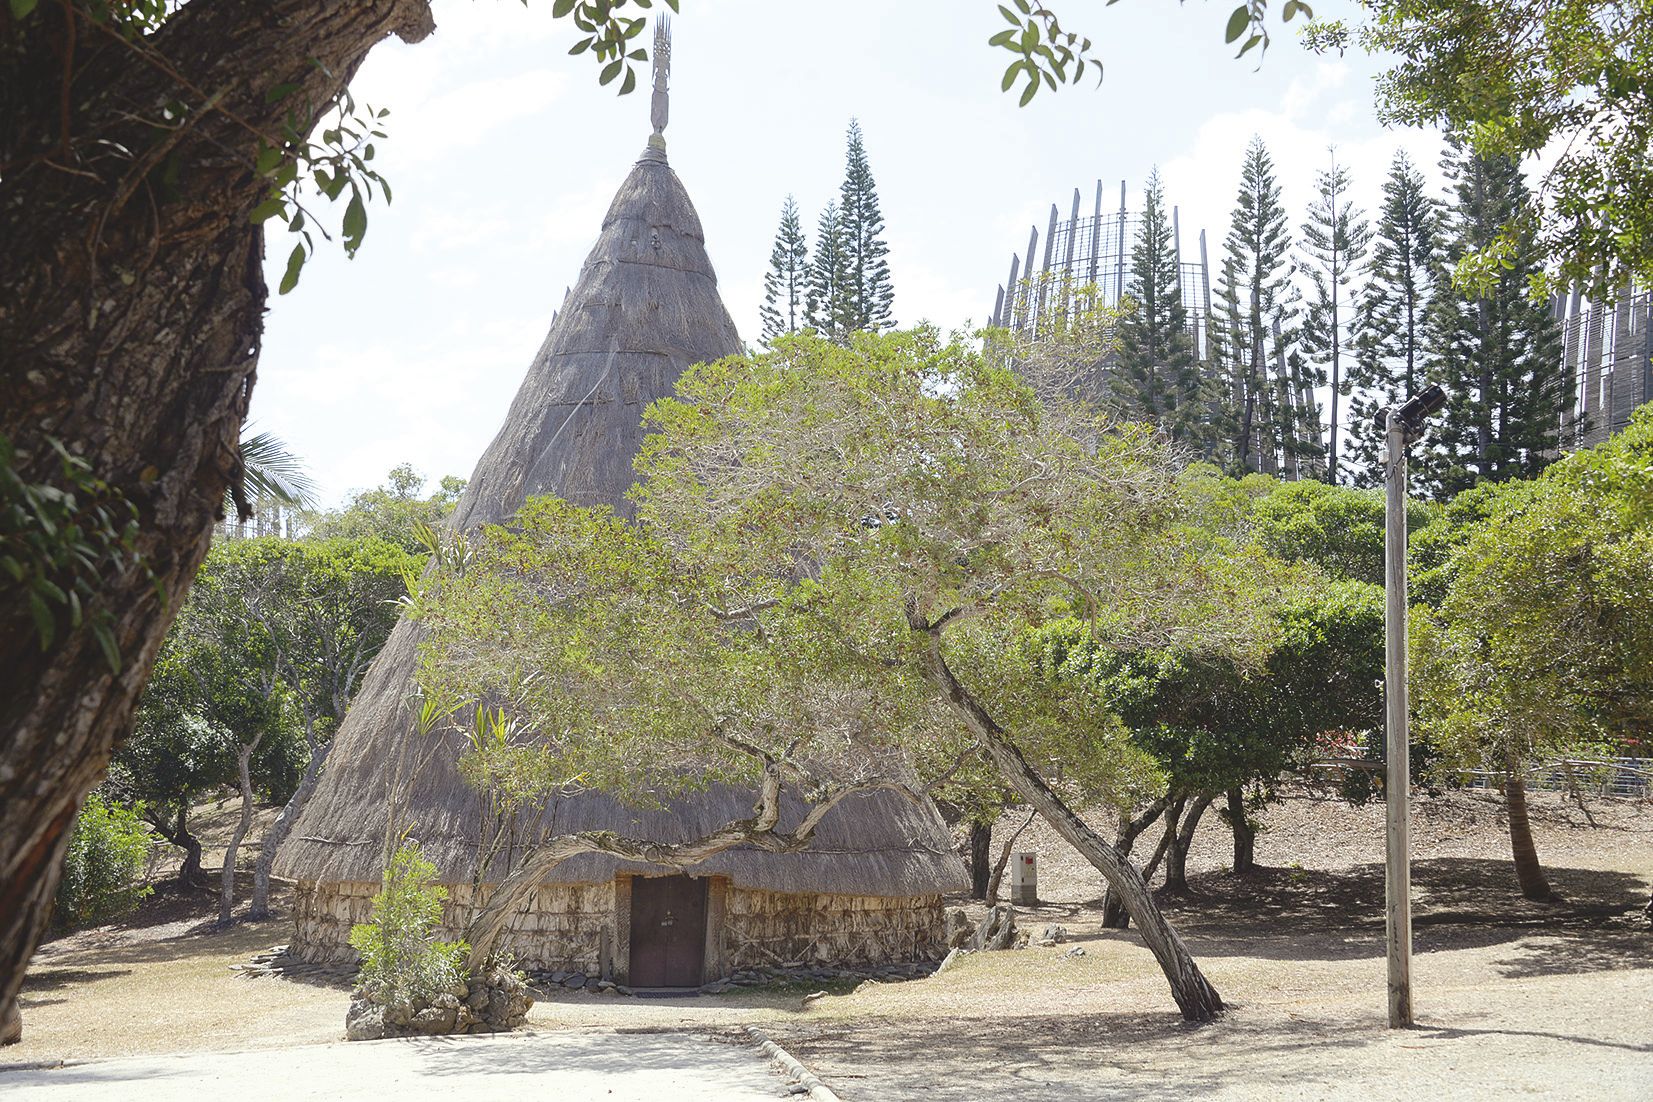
786,283
829,304
1156,377
1266,418
1497,352
871,294
1335,238
1390,343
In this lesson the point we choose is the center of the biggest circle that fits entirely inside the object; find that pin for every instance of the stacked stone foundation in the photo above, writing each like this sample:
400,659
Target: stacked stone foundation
575,928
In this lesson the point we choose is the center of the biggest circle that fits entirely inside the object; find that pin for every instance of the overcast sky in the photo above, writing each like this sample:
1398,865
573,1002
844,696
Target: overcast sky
504,153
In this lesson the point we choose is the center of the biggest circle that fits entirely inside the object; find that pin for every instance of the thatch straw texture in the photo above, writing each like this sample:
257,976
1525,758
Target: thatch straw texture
645,308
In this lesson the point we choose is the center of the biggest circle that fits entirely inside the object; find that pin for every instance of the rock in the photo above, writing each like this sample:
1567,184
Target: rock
433,1020
445,1001
958,929
478,998
605,985
1076,951
365,1021
716,988
575,982
1053,935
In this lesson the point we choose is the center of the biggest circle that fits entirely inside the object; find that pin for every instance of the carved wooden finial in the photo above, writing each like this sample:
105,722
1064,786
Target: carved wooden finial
662,73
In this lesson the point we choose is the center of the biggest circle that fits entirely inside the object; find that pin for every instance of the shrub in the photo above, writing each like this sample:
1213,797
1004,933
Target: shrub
402,961
108,850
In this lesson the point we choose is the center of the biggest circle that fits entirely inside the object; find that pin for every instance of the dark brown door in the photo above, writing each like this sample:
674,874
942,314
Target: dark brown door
668,931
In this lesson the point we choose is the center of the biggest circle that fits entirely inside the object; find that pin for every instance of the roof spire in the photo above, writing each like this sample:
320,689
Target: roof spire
662,75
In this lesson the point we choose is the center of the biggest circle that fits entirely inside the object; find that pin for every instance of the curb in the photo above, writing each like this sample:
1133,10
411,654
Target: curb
789,1063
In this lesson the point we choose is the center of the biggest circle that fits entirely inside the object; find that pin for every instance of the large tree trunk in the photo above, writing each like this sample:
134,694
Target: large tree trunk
981,856
226,878
259,908
1245,832
1194,995
1528,871
131,299
190,873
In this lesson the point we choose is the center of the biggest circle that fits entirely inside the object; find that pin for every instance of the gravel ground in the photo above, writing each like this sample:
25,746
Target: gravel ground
1512,998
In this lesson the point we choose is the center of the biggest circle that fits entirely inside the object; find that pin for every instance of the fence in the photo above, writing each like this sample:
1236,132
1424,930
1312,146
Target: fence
1620,778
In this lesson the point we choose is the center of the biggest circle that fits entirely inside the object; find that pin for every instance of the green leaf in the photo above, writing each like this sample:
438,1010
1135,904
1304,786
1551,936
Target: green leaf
267,210
672,4
630,83
610,71
561,8
355,222
1009,76
280,92
1010,15
580,47
1029,92
1238,20
20,8
106,643
1003,38
295,263
44,624
1250,42
268,158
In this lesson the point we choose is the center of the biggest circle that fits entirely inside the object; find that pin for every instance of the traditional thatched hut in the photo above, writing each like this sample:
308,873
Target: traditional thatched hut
868,889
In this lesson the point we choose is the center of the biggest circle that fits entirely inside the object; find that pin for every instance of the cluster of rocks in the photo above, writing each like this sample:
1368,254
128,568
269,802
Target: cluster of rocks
276,961
493,1002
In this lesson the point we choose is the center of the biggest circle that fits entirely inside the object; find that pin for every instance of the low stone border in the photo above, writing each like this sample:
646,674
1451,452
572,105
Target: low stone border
789,1063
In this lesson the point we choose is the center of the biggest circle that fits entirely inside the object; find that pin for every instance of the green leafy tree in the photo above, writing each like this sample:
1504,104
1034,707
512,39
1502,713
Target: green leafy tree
1335,238
1390,340
1542,642
1270,408
1339,530
870,293
392,512
786,282
1497,353
403,961
1568,81
103,871
828,302
1157,377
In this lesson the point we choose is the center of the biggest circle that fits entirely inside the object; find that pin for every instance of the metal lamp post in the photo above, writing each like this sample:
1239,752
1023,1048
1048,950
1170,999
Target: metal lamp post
1402,426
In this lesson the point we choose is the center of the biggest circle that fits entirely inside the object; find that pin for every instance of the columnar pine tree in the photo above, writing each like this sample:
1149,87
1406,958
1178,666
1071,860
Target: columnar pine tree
1388,366
1335,238
1268,422
787,280
871,295
828,303
1497,352
1157,377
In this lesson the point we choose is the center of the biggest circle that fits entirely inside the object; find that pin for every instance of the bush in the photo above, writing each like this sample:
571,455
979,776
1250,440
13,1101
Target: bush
402,962
108,850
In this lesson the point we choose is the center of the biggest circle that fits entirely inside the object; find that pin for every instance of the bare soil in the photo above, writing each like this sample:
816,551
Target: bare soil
1512,998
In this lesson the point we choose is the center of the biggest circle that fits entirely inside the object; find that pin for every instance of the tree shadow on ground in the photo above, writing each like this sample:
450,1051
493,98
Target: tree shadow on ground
1457,903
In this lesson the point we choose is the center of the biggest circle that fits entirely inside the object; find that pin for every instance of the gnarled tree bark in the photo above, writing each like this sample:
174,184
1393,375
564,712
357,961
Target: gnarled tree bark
131,304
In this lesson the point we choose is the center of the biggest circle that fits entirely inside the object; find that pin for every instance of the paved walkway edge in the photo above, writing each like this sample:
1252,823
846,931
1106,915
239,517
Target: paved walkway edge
817,1089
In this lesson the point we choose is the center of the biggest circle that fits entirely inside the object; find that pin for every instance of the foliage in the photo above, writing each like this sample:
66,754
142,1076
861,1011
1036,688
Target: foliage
391,512
828,305
1264,414
1497,352
273,473
1335,238
1390,349
403,962
785,283
1568,81
1542,642
1157,378
1340,530
58,542
870,295
108,850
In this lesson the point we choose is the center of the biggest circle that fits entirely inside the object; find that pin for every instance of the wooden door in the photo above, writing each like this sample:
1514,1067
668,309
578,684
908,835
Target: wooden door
668,931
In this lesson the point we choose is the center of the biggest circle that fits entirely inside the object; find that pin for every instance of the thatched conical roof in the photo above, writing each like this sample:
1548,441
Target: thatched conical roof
646,308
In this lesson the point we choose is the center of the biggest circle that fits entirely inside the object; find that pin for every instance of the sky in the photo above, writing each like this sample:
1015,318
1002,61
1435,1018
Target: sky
503,154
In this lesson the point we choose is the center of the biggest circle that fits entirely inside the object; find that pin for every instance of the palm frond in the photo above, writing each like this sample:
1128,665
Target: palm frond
273,473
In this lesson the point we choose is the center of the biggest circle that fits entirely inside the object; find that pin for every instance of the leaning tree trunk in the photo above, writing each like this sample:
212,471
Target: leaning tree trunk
1194,995
131,303
1528,871
1245,832
981,855
226,879
259,908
